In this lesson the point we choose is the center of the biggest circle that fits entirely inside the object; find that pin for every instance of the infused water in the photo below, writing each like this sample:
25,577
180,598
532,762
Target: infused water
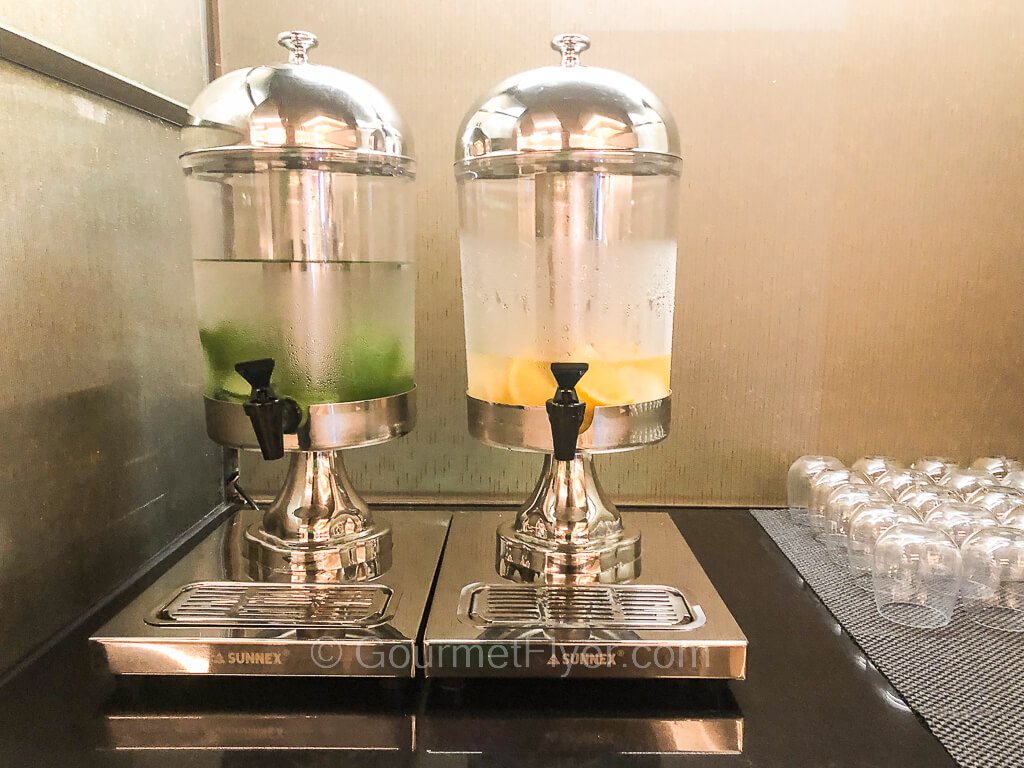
338,331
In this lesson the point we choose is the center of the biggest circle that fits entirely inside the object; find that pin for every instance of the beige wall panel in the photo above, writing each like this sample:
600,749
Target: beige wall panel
103,458
925,304
850,243
158,44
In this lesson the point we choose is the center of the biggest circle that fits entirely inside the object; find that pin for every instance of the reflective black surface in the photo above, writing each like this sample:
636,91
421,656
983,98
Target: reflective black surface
810,699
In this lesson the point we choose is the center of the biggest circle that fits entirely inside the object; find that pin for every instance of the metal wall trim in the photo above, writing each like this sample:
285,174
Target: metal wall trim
26,51
211,29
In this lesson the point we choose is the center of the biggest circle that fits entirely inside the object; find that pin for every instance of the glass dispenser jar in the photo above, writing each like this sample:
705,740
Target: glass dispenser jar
299,183
568,187
568,182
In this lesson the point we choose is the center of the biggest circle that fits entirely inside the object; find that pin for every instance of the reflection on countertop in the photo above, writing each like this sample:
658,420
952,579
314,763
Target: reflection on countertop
810,698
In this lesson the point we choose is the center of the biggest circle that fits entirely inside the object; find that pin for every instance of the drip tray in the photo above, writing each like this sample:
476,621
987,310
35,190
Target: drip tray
577,607
235,604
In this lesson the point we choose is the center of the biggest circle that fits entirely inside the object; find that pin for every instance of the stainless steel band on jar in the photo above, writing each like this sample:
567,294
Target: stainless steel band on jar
614,428
330,426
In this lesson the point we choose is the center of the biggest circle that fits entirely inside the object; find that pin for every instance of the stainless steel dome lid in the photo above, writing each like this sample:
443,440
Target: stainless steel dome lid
295,115
565,112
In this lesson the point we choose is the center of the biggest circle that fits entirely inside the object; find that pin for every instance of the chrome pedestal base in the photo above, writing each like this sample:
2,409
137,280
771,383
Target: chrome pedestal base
318,527
362,557
568,532
540,562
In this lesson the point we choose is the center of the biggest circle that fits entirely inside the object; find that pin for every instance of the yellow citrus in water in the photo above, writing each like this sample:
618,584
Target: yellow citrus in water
530,381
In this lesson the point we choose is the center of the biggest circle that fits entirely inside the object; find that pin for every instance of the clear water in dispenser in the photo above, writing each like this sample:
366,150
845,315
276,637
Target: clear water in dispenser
322,322
312,268
569,266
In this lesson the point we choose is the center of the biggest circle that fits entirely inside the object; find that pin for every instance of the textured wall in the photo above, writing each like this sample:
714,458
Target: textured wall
158,44
103,458
851,238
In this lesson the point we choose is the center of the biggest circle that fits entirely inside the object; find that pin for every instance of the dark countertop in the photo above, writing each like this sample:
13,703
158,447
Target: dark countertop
810,698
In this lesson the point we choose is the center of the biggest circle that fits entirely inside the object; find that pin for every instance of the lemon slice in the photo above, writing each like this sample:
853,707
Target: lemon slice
602,384
588,419
643,385
530,382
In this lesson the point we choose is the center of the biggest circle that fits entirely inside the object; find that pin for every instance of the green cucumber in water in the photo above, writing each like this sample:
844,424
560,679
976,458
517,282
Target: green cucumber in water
378,367
224,345
375,365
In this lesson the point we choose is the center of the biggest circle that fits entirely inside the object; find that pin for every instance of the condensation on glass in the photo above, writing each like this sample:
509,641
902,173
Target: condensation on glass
568,182
299,182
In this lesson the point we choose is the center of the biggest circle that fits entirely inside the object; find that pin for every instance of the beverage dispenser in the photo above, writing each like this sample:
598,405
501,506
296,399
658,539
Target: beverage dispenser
568,184
300,182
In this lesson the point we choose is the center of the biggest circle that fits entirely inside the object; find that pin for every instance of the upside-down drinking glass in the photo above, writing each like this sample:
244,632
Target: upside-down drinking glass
873,467
798,481
821,487
922,499
993,586
967,481
916,575
1014,480
1015,519
997,466
896,481
999,500
843,503
958,519
871,521
936,467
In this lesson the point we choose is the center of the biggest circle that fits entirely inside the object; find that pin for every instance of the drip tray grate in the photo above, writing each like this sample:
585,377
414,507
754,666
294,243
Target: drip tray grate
605,606
238,604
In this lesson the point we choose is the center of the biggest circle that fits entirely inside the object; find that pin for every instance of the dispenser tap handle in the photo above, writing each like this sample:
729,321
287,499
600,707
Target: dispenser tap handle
257,373
271,416
566,410
568,375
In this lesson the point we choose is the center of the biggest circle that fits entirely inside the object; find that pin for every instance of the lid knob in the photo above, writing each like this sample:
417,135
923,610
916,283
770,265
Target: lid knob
298,42
570,46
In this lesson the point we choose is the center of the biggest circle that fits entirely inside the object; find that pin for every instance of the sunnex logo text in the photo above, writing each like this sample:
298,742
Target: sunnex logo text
587,659
264,658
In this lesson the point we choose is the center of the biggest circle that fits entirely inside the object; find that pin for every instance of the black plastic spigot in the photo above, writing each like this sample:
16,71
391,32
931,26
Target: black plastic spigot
271,416
565,410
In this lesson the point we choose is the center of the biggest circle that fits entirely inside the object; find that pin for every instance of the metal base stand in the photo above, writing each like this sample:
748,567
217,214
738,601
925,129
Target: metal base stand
318,528
568,532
